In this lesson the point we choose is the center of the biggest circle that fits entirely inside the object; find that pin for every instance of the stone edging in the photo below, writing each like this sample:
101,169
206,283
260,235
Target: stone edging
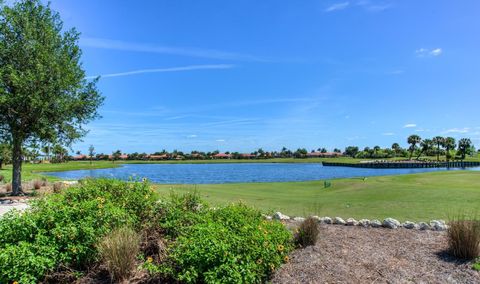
390,223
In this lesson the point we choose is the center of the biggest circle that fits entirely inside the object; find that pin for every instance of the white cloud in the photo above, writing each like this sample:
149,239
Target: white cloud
425,52
410,125
337,7
161,70
153,48
192,136
457,130
388,134
220,140
436,52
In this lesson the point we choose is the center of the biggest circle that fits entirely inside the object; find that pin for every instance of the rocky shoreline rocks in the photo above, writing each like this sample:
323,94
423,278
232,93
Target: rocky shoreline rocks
389,223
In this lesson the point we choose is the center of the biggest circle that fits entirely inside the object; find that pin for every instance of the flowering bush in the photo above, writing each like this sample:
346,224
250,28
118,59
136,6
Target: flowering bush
64,228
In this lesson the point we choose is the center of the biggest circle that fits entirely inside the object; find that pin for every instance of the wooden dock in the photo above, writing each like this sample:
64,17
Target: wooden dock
404,165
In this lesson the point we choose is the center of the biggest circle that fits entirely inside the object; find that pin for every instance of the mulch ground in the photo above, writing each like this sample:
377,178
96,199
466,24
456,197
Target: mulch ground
347,254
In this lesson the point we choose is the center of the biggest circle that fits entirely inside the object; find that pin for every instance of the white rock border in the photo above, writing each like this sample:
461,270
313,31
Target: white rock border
390,223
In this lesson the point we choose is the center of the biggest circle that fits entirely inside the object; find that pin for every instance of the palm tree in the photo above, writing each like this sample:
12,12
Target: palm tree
413,140
46,149
439,141
449,144
463,145
425,145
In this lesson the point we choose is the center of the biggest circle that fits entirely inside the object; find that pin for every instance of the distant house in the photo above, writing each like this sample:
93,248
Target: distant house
222,156
157,157
197,156
121,157
247,156
323,155
79,157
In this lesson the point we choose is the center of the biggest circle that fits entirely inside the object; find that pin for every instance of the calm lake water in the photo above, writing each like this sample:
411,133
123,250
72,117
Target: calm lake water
233,173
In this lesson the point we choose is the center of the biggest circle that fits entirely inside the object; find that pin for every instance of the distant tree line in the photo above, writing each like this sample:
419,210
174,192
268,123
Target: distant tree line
437,147
445,147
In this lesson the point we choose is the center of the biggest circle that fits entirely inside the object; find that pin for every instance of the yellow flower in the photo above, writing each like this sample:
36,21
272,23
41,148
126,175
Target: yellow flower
286,259
259,261
15,282
149,259
100,205
272,267
280,247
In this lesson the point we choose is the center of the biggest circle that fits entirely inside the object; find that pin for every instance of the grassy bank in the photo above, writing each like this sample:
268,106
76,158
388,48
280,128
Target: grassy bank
414,197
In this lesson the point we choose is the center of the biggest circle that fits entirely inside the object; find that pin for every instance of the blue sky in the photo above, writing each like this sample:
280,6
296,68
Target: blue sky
239,75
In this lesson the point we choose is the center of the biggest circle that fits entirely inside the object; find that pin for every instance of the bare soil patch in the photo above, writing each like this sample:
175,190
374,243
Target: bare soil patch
347,254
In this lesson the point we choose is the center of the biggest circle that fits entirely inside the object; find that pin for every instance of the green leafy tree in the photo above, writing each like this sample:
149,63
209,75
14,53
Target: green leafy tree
464,145
47,149
351,151
449,144
91,153
5,154
425,146
413,140
44,93
116,155
438,141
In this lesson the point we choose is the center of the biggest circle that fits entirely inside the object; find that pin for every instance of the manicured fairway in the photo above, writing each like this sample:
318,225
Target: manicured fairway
406,197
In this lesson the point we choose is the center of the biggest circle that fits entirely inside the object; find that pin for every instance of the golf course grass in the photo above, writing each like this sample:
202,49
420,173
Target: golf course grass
413,197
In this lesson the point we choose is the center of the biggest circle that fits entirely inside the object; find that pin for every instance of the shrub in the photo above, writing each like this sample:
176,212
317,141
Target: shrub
57,187
307,233
118,251
37,184
65,228
233,244
476,266
464,238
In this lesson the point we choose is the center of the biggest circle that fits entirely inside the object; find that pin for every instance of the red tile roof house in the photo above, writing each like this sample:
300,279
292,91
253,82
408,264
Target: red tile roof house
79,157
247,156
323,155
222,156
158,157
121,157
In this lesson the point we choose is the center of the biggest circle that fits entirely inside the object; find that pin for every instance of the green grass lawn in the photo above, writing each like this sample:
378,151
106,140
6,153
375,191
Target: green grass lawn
414,197
405,197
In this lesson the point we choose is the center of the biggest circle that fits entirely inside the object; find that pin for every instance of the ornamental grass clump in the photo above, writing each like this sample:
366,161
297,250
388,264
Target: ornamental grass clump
118,251
37,184
307,233
464,238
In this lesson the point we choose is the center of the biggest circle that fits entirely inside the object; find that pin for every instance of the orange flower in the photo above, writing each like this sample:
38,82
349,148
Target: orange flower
286,259
15,282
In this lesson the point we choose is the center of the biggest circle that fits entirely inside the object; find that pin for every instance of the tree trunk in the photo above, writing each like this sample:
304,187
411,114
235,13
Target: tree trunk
17,167
1,164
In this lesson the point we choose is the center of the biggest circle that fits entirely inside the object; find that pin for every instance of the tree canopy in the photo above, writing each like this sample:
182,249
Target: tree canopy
44,93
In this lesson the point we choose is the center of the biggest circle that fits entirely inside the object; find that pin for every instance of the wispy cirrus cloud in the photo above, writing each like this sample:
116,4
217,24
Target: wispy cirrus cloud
337,7
410,125
161,70
155,48
388,134
457,130
426,52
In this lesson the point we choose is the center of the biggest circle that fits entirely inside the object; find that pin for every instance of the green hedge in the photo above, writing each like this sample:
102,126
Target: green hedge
64,228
